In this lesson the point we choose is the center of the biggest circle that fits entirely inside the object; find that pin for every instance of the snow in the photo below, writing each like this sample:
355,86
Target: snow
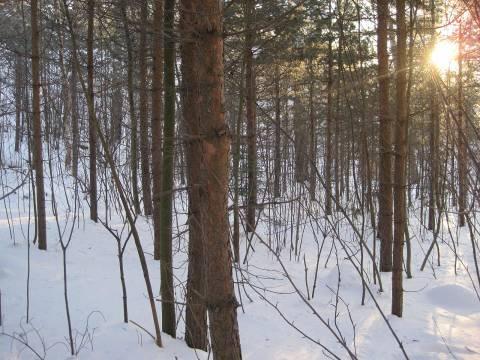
441,309
454,298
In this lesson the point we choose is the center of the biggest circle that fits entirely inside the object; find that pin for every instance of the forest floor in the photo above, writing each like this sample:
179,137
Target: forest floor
278,319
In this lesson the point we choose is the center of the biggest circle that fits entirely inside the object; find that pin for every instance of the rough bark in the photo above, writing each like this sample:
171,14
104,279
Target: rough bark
196,309
207,130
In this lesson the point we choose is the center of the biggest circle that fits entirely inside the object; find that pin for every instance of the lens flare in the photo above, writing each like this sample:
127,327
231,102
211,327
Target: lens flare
443,55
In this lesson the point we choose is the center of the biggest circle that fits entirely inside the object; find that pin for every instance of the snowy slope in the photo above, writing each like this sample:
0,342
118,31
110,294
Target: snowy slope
441,311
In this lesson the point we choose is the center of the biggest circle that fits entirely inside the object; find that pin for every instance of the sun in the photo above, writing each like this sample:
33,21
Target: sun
444,55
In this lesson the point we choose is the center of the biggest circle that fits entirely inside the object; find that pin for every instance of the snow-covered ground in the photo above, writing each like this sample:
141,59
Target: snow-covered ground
277,320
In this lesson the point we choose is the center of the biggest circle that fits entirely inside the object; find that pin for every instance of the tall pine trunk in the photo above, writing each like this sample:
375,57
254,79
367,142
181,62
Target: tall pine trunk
196,309
131,105
144,124
166,199
312,141
385,227
236,167
251,116
18,101
92,135
462,147
434,118
75,127
328,130
202,62
400,161
37,131
278,155
157,115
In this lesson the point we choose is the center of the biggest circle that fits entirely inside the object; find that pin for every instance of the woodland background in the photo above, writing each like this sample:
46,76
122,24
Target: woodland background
252,178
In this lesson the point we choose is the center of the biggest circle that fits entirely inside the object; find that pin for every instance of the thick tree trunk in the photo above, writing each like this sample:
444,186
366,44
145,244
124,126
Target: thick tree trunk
196,309
144,124
400,161
202,55
37,131
385,228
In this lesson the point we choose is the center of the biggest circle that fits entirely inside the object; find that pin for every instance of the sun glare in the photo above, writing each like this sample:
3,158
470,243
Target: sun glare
444,55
